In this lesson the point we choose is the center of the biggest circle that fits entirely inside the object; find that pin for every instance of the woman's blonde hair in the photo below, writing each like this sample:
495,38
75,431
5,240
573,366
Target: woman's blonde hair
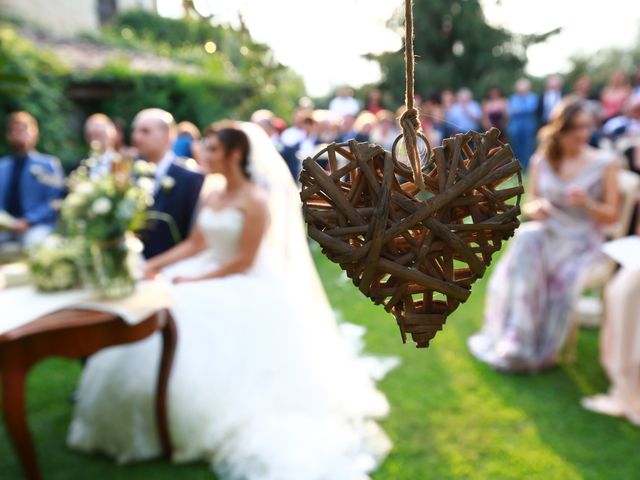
560,122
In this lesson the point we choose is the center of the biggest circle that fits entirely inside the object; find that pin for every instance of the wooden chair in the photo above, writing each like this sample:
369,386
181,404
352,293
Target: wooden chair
588,309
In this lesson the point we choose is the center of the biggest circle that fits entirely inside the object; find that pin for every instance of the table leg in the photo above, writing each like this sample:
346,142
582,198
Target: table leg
169,339
13,407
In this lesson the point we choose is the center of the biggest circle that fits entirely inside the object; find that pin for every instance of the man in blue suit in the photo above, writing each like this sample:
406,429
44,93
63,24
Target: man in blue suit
30,182
177,187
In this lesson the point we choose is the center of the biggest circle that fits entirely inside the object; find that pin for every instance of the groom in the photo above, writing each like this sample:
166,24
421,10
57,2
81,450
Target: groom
176,187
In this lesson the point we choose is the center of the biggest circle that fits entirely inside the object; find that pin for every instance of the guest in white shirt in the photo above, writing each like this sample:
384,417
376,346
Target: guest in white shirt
296,132
100,134
344,103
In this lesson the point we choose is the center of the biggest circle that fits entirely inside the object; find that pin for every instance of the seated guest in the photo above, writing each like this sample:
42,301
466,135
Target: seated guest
465,114
344,103
30,182
620,349
627,124
294,155
186,144
347,129
364,124
176,189
100,134
386,130
574,193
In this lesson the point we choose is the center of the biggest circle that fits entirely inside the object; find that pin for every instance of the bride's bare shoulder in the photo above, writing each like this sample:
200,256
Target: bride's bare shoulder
256,199
258,194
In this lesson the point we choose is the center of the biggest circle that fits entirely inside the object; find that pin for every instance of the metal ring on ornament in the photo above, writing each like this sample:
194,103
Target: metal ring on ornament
406,169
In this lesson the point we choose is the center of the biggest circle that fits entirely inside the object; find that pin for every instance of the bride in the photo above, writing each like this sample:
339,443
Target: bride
265,385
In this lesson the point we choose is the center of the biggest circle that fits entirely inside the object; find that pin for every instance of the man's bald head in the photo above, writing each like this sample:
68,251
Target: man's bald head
153,133
162,117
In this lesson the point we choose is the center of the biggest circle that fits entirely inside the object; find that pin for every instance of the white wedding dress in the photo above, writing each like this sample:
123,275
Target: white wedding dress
265,385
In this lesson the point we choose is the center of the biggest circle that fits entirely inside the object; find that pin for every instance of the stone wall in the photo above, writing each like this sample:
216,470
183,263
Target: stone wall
66,17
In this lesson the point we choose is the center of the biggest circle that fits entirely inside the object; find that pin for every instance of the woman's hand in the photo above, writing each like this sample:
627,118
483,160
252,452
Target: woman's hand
578,197
538,209
183,279
149,272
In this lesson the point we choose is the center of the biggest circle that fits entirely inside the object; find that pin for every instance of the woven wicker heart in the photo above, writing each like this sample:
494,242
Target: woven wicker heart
417,257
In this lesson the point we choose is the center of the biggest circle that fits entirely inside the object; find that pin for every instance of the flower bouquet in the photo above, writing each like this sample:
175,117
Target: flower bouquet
104,211
54,264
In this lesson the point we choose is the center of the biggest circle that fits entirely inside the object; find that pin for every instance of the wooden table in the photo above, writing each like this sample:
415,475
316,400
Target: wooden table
73,334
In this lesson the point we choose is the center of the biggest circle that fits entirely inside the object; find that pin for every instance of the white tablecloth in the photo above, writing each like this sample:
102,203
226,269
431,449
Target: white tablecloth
21,305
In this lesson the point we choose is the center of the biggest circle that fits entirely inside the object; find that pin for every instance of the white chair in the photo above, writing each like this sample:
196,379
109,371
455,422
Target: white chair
588,311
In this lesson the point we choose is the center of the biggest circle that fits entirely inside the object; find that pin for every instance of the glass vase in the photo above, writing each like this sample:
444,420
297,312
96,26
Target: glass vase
111,269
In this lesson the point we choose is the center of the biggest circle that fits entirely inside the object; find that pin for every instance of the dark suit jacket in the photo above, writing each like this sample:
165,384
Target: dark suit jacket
180,202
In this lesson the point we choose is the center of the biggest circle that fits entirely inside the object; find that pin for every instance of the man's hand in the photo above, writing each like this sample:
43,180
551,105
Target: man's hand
21,226
182,279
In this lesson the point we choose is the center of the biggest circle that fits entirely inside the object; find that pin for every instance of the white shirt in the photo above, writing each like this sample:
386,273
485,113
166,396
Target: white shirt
344,106
292,136
103,165
161,170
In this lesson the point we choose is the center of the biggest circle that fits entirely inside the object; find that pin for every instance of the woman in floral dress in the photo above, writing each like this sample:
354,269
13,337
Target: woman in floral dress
573,190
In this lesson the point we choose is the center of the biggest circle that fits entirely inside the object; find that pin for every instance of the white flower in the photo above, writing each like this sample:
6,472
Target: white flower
95,146
101,206
84,189
144,168
145,184
73,200
52,242
168,183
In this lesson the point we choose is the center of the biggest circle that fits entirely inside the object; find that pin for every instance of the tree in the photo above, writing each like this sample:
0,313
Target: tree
33,80
600,66
456,47
250,63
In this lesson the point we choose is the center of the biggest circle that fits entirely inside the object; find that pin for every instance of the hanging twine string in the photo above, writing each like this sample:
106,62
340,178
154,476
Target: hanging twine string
409,119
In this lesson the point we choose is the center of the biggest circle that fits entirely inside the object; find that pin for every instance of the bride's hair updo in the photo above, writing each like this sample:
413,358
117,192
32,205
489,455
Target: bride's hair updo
232,138
562,121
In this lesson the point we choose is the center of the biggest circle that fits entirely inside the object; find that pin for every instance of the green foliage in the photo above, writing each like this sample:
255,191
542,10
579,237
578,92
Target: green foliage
456,47
33,80
197,98
237,56
140,25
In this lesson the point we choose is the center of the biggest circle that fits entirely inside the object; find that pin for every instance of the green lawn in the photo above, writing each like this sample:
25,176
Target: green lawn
452,418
